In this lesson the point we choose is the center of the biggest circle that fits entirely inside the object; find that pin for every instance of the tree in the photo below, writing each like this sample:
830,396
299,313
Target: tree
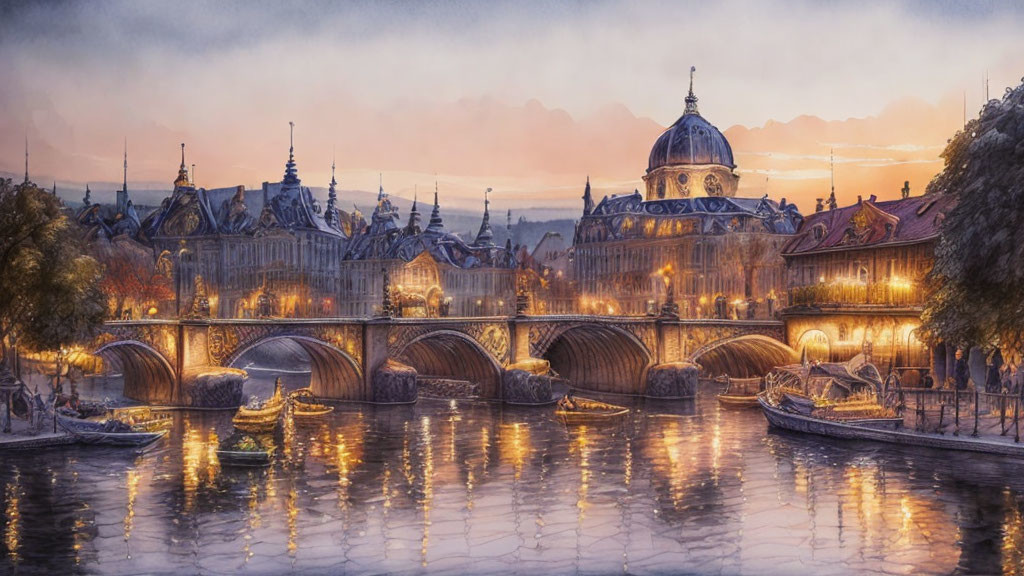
976,287
130,275
49,289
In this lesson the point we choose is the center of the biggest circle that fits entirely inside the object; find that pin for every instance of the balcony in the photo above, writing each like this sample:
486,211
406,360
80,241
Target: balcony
892,292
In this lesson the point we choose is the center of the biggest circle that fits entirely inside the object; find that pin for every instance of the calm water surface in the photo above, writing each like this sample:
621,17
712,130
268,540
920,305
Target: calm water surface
473,487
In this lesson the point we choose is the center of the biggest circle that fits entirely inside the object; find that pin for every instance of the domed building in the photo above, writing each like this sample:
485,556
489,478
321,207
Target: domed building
689,240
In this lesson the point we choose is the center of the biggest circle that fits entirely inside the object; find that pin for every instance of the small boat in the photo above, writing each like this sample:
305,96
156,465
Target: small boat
739,392
244,450
307,406
107,432
261,418
590,411
888,430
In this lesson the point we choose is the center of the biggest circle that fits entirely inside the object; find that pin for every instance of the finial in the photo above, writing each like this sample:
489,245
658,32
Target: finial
26,156
291,137
832,168
193,177
691,98
125,183
487,201
182,155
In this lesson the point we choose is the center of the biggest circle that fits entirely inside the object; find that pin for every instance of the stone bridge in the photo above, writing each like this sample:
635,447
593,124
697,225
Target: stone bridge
609,354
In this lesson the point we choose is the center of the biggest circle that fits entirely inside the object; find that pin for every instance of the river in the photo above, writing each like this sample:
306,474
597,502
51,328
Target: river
472,487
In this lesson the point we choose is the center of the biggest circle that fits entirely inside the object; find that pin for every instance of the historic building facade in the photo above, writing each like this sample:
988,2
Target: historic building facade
689,235
855,280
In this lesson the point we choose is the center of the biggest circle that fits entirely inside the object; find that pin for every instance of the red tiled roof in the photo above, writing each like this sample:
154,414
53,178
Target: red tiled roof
870,223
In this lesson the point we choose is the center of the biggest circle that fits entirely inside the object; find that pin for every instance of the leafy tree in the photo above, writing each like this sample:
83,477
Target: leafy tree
49,290
130,276
976,287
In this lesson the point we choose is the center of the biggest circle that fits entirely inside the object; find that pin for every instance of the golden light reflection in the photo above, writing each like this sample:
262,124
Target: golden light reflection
428,483
199,461
514,440
674,465
12,515
132,486
253,519
292,512
581,448
1013,537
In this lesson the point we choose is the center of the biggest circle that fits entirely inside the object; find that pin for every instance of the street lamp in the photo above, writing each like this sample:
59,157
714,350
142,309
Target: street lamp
182,250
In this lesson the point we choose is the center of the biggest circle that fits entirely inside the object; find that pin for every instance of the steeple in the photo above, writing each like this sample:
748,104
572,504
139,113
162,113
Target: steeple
832,203
55,188
291,174
485,235
182,180
691,98
436,224
87,199
508,228
122,194
380,190
331,212
588,200
413,227
26,158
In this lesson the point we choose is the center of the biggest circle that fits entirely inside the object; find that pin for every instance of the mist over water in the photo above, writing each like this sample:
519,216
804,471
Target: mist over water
474,487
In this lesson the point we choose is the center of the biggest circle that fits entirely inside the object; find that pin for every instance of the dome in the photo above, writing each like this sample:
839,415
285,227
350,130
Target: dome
691,140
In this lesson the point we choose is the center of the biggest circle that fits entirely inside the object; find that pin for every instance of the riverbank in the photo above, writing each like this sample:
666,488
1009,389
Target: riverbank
21,439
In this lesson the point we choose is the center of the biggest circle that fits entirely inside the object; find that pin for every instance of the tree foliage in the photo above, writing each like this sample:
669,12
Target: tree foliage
130,276
49,289
976,287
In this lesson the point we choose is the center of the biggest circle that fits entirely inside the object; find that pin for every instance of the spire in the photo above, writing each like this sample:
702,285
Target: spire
331,213
436,224
485,235
414,216
26,157
125,184
54,187
291,174
832,204
122,194
691,98
588,200
380,190
182,179
87,199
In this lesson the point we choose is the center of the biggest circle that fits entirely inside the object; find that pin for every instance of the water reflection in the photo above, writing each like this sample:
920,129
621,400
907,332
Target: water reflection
476,487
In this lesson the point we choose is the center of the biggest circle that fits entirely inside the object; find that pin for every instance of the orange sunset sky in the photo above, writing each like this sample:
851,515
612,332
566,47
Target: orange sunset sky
525,98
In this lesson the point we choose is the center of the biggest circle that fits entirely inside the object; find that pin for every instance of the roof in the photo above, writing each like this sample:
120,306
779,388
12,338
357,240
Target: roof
870,224
691,140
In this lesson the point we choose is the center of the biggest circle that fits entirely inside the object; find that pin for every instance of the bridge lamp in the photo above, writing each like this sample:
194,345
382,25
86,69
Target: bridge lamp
152,311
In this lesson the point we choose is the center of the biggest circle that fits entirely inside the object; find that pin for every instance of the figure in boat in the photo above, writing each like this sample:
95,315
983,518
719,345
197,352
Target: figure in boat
567,402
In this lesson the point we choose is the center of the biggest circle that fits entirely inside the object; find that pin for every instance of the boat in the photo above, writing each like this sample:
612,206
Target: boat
888,430
590,411
740,392
257,418
107,432
306,406
244,450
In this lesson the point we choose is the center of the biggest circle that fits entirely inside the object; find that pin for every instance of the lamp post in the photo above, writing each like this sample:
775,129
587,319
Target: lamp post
182,250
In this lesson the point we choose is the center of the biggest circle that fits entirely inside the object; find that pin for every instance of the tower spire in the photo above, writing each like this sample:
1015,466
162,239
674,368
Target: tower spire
413,227
26,157
436,224
380,189
331,213
291,175
691,98
485,235
832,204
588,200
182,179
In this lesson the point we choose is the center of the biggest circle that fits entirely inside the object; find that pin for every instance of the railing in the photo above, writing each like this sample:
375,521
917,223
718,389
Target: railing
964,411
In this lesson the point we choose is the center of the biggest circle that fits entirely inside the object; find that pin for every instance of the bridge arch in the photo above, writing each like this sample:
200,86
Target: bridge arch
745,356
455,355
148,376
600,358
334,374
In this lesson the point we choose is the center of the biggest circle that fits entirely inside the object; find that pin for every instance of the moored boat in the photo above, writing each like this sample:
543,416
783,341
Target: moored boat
885,430
588,411
739,392
107,432
261,418
244,450
306,406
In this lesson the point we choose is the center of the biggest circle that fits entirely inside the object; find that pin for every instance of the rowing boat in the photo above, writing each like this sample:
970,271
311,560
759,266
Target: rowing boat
263,418
244,450
306,406
107,432
740,392
590,411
